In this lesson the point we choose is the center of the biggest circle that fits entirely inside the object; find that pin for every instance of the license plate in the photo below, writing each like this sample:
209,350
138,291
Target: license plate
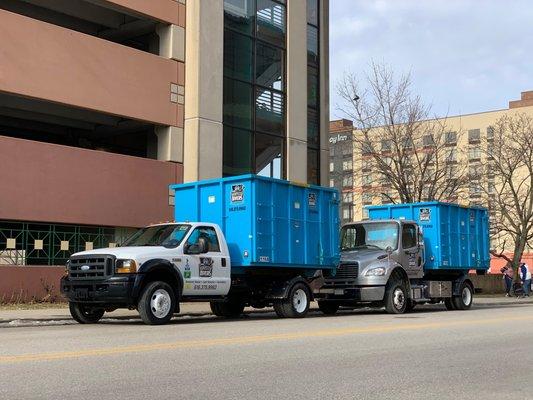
81,294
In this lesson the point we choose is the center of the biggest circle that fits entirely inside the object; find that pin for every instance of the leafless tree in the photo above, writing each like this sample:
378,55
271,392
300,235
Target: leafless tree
510,160
412,154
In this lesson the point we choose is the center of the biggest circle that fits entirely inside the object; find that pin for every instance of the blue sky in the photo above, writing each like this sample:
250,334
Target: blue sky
465,56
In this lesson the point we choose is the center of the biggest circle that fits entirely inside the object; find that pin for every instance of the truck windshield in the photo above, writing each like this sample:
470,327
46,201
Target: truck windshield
374,235
160,235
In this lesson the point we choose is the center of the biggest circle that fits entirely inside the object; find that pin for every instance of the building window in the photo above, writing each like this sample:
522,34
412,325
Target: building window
451,155
490,133
347,165
347,197
331,183
474,136
347,181
254,87
450,137
428,141
346,213
367,199
331,167
386,145
474,153
313,91
367,179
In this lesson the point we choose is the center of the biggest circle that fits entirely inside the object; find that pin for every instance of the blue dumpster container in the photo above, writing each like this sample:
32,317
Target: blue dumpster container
267,222
455,237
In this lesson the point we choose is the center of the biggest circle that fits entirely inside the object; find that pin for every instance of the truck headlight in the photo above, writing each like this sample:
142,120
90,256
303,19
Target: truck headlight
379,271
126,267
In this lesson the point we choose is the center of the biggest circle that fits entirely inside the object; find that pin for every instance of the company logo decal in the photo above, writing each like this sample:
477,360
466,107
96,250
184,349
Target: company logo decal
206,267
237,193
424,215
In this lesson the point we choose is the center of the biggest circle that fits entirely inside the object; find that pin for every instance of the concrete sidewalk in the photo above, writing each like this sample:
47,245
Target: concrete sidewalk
61,315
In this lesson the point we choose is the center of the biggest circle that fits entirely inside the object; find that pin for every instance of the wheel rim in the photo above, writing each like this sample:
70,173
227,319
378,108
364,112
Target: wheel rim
398,298
299,300
160,303
467,296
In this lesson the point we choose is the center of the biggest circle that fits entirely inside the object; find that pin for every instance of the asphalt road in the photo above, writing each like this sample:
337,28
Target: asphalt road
484,353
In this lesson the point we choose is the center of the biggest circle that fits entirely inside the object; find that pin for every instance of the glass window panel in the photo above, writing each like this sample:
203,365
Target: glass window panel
268,155
237,151
312,167
312,12
238,58
312,87
240,15
312,45
270,19
237,103
269,111
313,128
269,66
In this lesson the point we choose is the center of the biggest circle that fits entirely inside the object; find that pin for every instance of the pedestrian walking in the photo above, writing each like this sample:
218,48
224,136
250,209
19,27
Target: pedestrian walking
526,278
508,276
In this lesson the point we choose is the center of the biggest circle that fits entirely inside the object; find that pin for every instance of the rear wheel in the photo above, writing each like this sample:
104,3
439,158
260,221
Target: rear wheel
465,298
396,298
229,309
85,314
157,303
297,303
328,307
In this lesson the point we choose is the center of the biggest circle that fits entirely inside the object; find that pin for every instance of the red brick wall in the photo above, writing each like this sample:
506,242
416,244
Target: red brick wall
24,284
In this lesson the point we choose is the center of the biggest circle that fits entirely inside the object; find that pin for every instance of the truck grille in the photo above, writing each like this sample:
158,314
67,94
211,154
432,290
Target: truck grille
346,274
90,267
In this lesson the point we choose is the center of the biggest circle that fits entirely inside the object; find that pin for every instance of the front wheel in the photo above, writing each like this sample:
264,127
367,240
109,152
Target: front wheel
297,303
465,299
85,314
396,298
157,303
328,307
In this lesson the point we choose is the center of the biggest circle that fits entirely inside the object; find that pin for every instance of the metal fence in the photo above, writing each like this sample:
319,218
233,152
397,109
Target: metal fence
28,243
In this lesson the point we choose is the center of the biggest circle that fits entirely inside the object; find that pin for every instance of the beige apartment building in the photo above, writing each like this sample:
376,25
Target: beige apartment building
104,103
360,187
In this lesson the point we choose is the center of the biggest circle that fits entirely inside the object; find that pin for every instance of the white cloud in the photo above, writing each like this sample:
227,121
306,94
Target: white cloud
465,55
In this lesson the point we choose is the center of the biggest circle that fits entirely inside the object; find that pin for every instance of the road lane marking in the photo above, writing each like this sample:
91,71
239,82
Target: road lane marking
206,343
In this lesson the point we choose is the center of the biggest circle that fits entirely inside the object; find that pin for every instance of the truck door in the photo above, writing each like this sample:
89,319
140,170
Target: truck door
411,257
210,272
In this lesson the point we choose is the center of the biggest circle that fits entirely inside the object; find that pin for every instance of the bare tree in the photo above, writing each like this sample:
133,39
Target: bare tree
410,152
510,159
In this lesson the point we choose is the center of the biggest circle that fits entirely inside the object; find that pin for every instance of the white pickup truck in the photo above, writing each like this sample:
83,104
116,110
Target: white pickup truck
164,264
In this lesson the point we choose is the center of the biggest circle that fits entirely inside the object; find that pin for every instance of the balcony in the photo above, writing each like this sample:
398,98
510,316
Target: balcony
53,183
46,62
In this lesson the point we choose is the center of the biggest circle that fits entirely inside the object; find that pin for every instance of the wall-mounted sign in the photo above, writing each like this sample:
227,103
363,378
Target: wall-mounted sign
338,138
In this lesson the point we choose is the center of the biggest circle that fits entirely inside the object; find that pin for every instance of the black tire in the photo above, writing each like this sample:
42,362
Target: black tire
85,314
396,297
229,309
157,303
465,299
450,306
328,307
297,303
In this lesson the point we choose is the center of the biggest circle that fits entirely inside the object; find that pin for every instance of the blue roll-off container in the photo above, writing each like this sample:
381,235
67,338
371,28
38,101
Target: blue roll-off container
455,237
267,222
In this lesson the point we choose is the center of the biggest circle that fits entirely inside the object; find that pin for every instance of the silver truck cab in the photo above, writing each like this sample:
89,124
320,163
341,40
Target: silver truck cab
376,256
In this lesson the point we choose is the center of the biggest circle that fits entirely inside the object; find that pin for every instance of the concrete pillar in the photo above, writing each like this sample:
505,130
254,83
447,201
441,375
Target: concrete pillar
324,92
169,143
297,91
204,51
171,42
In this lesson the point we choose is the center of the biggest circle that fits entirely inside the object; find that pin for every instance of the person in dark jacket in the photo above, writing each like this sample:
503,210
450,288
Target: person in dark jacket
525,274
508,275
